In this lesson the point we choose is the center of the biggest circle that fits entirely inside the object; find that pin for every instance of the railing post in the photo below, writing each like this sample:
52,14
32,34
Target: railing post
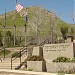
11,63
20,57
4,52
4,42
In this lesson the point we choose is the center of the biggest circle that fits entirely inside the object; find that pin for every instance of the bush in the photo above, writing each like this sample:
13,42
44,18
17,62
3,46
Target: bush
73,60
60,74
18,67
35,58
6,52
30,69
62,59
16,54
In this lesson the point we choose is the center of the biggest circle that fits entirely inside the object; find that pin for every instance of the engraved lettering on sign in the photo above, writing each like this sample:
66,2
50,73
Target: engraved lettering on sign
59,47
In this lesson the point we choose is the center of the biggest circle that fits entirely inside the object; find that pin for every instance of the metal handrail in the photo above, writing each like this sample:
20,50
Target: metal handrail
21,52
47,40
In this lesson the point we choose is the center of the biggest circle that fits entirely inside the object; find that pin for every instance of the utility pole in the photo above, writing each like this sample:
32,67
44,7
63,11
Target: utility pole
25,26
25,33
5,19
4,42
15,27
14,35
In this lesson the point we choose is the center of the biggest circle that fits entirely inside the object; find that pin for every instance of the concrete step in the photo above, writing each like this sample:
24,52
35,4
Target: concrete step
6,63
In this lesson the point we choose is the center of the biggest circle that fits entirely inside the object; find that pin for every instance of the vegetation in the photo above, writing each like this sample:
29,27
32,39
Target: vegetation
33,14
6,52
30,69
1,40
61,74
38,25
16,54
29,58
8,39
73,60
63,70
64,31
35,58
62,59
72,31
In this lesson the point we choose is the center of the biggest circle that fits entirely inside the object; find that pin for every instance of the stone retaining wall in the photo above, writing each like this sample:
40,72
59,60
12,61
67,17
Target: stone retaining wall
60,67
36,66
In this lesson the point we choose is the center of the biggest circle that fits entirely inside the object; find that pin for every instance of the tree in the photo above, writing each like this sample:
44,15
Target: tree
64,31
72,31
8,40
36,21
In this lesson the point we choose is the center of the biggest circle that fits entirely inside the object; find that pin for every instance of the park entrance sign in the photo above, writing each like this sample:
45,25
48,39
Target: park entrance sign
52,51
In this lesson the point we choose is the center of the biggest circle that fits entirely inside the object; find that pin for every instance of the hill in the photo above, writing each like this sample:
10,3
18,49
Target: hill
40,22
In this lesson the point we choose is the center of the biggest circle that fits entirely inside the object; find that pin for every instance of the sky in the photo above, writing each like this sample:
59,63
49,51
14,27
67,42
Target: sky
62,8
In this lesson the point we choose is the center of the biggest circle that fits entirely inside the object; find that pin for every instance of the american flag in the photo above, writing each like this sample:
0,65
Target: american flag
19,7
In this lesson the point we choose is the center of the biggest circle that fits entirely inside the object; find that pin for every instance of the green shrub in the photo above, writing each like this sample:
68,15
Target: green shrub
73,60
62,59
18,67
60,74
35,58
6,52
30,69
16,54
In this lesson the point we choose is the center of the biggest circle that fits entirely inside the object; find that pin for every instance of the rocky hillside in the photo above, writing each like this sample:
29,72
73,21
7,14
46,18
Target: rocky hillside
39,19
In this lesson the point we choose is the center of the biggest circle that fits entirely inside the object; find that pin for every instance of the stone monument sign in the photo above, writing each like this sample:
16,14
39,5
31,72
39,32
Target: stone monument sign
52,51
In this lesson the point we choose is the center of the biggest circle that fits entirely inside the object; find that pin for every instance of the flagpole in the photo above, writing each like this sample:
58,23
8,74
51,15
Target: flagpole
26,20
25,27
15,27
4,33
25,33
5,19
16,2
